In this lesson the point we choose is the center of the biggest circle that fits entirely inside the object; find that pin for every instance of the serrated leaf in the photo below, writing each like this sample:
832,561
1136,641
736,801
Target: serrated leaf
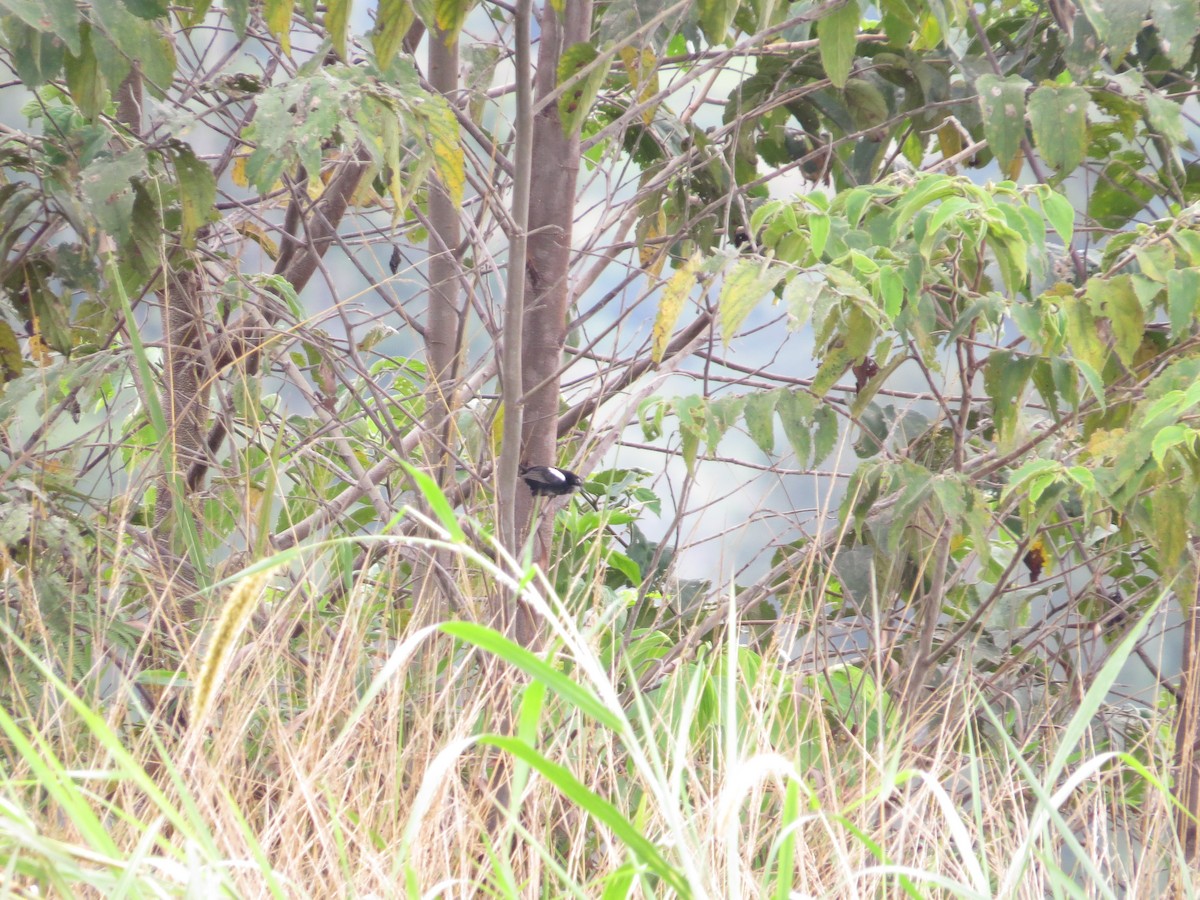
1059,118
837,34
1002,102
1183,293
1166,117
745,284
1177,22
1117,23
576,102
197,192
393,18
760,418
337,25
674,296
1115,298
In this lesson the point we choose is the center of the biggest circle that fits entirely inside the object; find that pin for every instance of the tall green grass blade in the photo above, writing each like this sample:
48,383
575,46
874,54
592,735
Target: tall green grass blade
592,803
515,655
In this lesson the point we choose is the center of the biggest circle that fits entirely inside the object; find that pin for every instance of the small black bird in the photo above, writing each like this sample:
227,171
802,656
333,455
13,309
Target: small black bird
549,481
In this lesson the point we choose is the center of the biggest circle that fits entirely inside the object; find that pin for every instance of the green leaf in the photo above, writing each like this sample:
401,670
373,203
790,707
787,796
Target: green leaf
1165,439
1166,117
437,501
745,284
1004,378
867,105
588,801
197,192
147,9
36,55
826,435
576,102
760,419
1121,191
58,17
1059,118
138,39
1002,102
837,34
853,339
1082,336
795,410
1059,212
535,667
715,18
1183,294
393,18
1117,23
818,233
337,24
1169,524
84,81
107,190
1177,22
891,292
1116,299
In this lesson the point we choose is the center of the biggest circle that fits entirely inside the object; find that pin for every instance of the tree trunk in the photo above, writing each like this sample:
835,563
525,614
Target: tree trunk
547,293
1187,734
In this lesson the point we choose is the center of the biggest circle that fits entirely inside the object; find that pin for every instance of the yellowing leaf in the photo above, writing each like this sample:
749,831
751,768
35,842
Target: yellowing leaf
337,22
238,172
11,361
652,254
642,69
277,15
393,18
675,293
746,284
259,235
442,132
450,15
576,102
